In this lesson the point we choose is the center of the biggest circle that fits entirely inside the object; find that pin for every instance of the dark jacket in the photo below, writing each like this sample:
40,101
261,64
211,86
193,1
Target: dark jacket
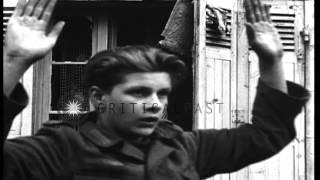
58,151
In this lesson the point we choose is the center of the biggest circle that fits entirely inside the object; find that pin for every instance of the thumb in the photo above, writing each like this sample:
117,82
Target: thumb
250,32
56,30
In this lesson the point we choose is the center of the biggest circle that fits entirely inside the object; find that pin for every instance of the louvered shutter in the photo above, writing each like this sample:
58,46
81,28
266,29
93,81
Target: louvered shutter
284,22
7,12
214,39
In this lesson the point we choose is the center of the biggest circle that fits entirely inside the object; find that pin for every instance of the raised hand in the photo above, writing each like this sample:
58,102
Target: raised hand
27,40
262,35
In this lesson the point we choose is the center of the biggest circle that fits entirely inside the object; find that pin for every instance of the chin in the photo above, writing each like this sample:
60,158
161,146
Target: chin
145,131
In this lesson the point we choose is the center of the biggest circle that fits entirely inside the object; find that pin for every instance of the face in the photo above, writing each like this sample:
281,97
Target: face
135,106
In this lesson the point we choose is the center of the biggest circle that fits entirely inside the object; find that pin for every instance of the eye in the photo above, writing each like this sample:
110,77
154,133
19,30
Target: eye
164,93
139,92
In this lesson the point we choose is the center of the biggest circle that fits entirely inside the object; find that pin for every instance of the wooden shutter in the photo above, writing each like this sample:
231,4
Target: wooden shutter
289,163
284,22
226,72
7,12
214,39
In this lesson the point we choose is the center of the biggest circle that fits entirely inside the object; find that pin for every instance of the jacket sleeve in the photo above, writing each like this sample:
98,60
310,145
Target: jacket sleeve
272,128
12,106
42,156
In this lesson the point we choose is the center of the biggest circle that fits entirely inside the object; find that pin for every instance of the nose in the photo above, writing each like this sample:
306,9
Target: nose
154,105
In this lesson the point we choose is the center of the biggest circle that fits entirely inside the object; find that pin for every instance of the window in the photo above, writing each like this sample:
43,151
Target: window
69,56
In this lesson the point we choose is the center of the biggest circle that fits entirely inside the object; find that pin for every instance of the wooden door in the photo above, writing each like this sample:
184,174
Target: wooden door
215,73
289,163
226,75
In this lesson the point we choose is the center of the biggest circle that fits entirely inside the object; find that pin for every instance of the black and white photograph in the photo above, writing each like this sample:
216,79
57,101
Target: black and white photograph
158,90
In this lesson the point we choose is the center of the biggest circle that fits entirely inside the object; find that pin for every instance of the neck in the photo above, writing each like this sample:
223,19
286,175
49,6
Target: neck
103,123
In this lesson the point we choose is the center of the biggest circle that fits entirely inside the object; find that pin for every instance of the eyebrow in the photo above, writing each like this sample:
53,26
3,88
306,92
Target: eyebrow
166,89
146,87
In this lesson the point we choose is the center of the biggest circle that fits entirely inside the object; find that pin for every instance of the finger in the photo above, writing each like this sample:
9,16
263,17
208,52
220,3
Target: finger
267,10
275,31
19,8
56,30
250,32
30,7
256,10
47,12
249,11
40,6
262,11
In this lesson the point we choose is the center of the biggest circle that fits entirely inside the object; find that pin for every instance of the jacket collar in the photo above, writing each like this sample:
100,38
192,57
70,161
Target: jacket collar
94,133
88,128
167,130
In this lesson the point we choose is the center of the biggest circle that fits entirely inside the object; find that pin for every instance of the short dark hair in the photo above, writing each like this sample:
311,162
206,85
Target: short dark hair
108,67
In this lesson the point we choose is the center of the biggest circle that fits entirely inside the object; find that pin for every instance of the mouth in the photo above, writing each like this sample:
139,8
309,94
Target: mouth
149,120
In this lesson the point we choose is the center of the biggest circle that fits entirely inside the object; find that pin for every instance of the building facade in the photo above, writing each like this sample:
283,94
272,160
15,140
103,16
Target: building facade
224,69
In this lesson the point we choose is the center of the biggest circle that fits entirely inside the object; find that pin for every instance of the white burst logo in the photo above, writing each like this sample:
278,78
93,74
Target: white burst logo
73,107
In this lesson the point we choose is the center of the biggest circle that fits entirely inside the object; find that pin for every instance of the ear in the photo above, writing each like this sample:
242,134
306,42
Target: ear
96,95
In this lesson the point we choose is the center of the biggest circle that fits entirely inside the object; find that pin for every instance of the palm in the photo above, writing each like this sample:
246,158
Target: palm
262,35
26,37
265,40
